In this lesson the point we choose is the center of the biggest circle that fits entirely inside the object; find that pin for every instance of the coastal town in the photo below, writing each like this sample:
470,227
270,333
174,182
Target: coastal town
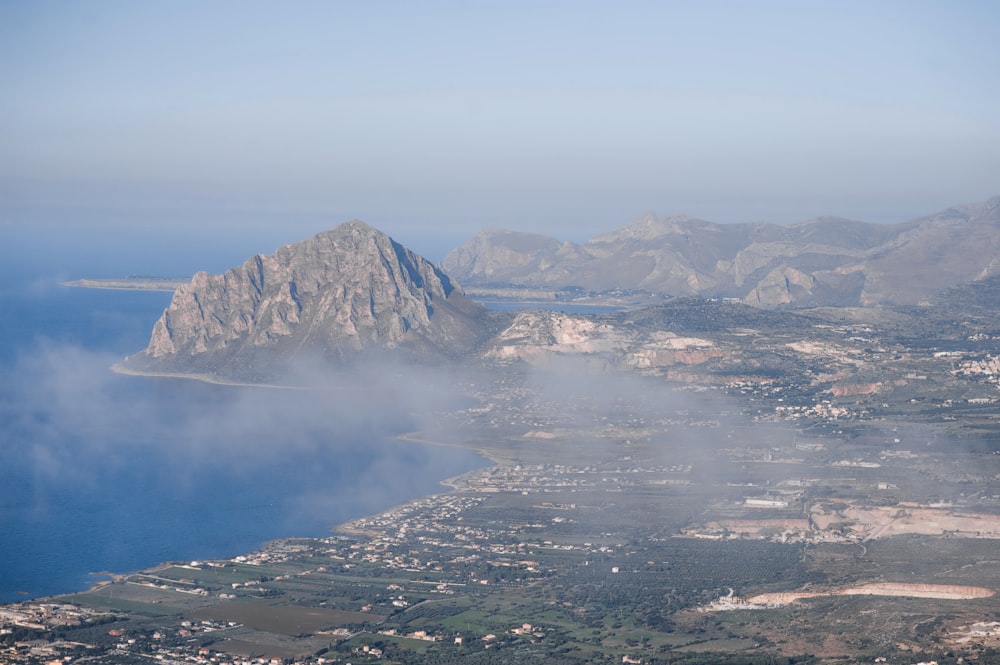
523,556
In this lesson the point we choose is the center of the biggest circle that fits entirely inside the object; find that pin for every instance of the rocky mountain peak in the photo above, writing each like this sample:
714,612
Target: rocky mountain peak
332,295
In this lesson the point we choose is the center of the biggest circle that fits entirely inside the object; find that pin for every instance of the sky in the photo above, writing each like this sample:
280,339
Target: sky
269,121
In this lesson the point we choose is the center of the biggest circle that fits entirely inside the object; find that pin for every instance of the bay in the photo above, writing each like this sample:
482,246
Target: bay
103,472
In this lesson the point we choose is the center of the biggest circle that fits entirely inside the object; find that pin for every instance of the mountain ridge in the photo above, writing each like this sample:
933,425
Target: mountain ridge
352,292
823,261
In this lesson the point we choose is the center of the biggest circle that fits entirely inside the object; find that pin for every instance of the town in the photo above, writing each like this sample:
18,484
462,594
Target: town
594,538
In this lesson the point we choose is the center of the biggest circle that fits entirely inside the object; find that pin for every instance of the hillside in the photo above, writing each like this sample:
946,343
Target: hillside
827,261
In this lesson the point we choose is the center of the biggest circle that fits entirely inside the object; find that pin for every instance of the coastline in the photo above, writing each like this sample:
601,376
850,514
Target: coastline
119,368
453,483
165,285
347,528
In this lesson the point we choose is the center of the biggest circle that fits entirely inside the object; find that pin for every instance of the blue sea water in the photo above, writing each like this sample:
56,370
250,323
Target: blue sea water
102,472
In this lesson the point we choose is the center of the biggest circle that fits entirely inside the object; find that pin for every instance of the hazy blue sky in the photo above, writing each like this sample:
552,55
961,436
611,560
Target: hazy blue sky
568,118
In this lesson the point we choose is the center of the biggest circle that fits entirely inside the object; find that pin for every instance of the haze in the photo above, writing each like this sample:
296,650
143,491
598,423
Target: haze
433,120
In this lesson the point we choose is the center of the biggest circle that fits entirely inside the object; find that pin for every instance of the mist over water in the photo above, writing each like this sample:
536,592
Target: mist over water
103,472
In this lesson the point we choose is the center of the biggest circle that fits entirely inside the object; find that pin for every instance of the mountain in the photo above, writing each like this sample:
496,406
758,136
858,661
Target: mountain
825,261
333,296
351,292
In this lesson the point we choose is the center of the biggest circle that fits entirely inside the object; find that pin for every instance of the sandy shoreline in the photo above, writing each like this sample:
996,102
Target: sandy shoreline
119,368
165,285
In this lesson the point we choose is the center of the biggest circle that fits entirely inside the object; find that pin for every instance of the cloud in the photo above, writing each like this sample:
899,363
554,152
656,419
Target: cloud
323,453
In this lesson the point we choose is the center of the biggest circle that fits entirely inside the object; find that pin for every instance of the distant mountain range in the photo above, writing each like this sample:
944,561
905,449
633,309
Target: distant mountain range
824,262
353,291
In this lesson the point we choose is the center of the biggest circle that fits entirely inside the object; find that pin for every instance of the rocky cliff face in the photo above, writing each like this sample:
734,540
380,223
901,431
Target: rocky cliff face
826,261
333,295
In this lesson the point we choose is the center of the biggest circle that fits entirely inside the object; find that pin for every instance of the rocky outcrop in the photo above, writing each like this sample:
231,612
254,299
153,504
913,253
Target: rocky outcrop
826,261
336,294
855,389
535,334
539,336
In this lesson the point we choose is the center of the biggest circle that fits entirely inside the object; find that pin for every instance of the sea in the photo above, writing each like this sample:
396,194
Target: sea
102,473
